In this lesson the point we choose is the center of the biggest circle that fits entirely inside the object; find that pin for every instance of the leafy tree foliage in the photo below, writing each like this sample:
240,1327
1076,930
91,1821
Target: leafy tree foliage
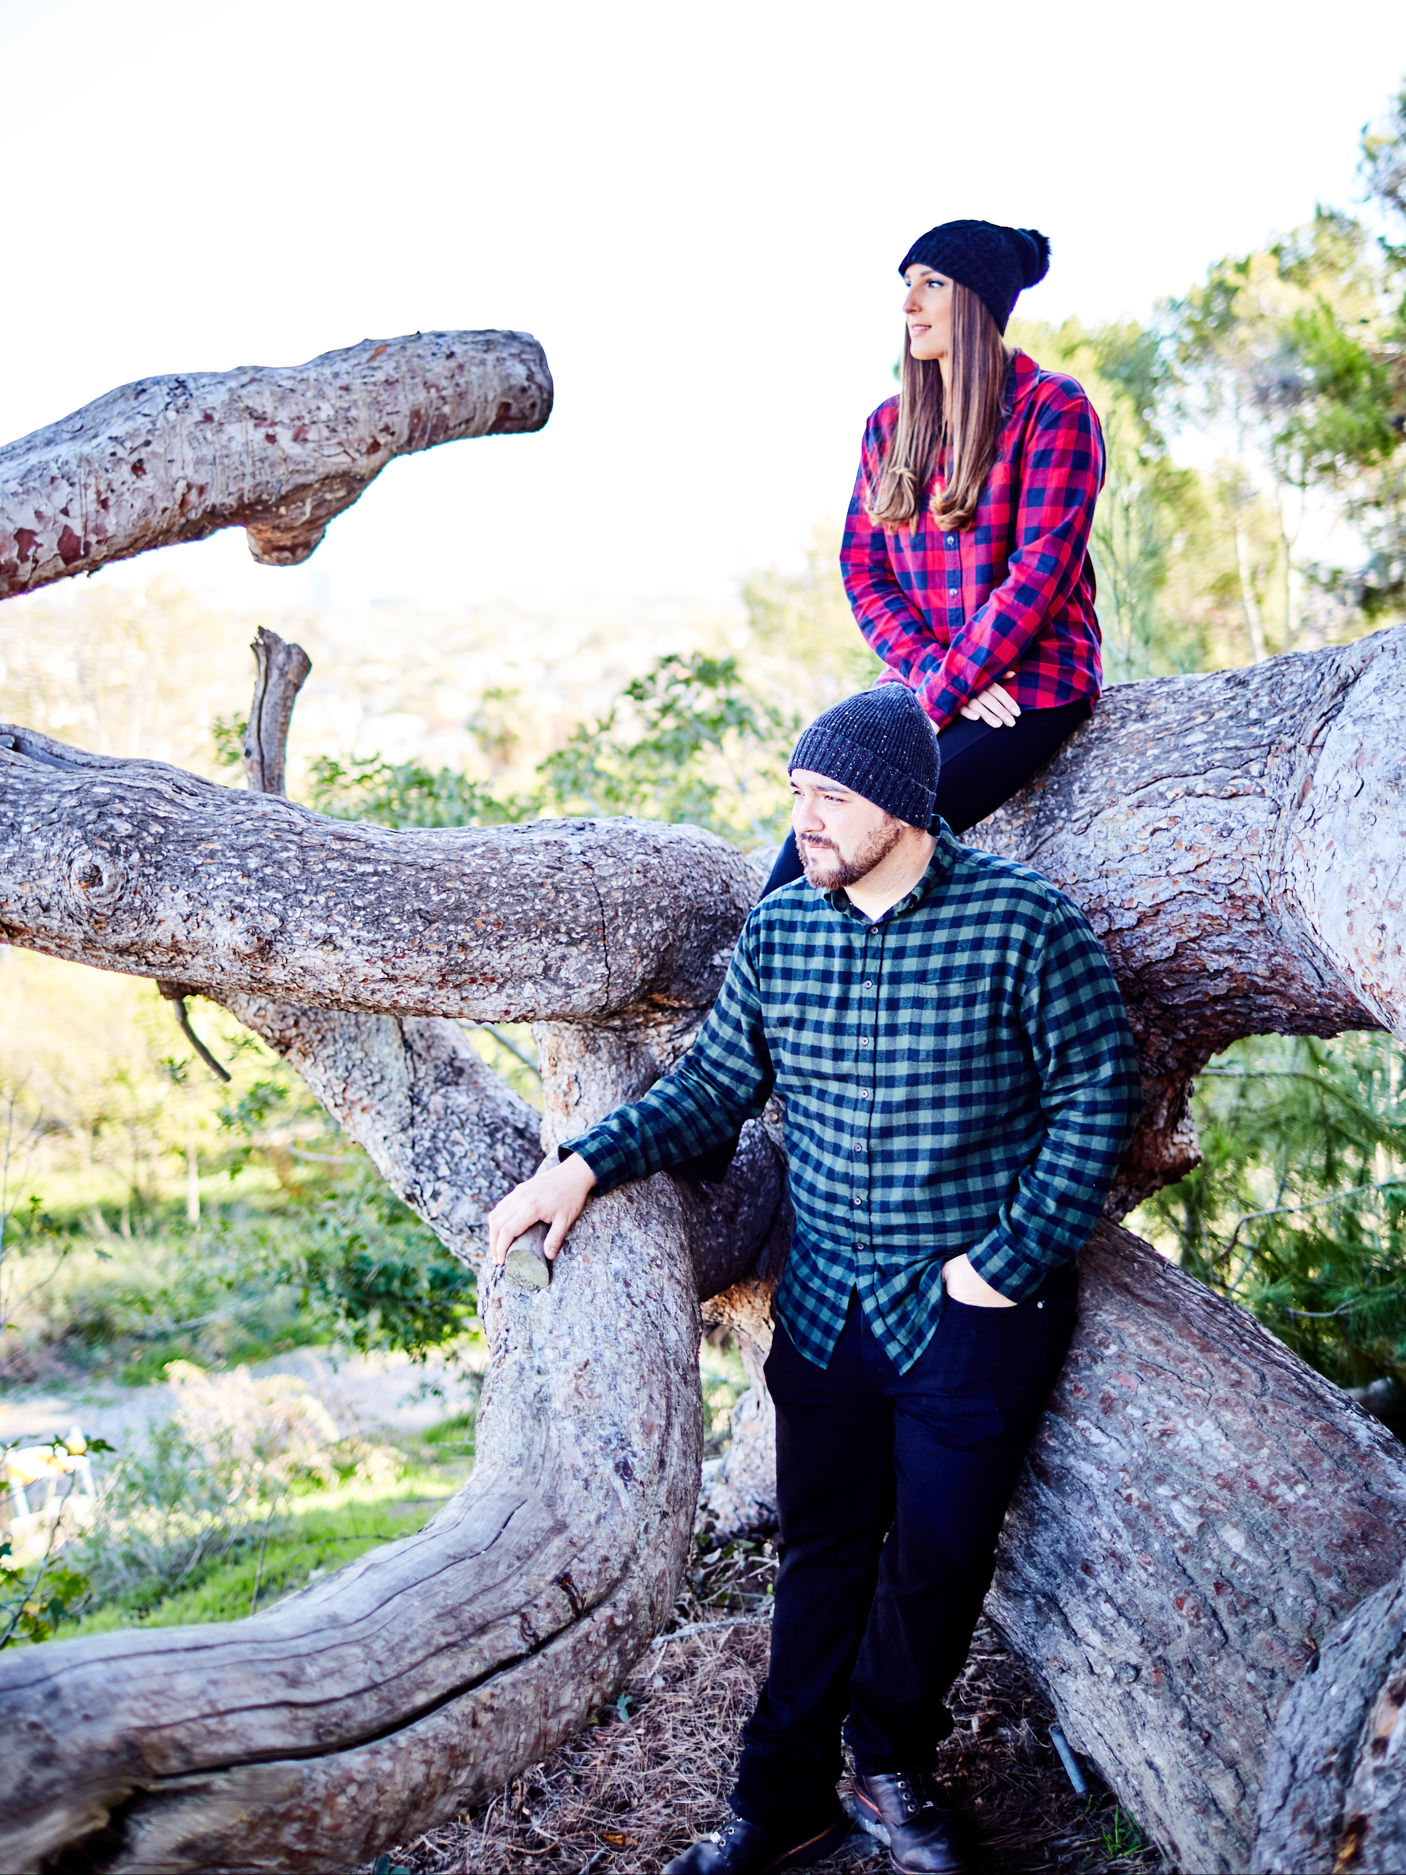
1298,1208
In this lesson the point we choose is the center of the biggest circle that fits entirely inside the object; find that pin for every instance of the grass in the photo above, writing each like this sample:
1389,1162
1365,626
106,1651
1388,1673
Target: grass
306,1537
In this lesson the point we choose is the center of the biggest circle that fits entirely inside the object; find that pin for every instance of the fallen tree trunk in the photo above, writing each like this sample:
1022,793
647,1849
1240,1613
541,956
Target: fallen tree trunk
1199,1511
275,451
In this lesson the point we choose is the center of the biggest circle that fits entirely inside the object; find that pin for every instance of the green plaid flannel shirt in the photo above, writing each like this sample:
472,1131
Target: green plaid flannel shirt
958,1076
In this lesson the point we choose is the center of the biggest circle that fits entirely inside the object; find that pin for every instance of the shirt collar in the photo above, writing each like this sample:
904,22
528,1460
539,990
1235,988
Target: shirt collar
944,857
1020,381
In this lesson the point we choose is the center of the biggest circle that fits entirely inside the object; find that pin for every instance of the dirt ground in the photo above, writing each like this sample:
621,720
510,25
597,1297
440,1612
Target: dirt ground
652,1772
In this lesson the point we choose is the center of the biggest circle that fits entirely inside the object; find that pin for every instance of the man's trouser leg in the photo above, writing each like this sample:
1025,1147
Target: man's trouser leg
834,1489
877,1625
963,1418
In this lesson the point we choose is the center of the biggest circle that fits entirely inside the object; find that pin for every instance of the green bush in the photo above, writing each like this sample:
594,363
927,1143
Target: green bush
1298,1208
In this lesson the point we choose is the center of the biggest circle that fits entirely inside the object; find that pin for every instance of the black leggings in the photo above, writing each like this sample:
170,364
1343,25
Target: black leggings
981,768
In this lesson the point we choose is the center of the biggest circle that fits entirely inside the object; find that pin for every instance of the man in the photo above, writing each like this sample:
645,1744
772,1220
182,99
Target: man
960,1086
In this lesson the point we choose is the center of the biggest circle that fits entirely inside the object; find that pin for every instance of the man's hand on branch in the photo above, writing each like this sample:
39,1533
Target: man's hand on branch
994,705
555,1195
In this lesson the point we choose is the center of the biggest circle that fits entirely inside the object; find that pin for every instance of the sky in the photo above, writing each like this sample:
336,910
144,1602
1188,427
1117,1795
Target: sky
699,212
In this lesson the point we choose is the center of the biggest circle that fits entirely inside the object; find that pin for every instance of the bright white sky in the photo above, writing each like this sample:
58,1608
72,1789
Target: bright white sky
699,211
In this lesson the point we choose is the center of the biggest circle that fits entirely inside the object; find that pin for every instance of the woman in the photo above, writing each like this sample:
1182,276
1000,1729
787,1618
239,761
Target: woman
965,553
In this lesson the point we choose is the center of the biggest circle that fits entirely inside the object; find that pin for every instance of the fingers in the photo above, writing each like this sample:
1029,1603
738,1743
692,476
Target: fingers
554,1196
510,1217
559,1226
994,706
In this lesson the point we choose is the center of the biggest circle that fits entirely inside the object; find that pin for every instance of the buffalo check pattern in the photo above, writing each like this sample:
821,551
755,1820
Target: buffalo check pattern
958,1075
951,611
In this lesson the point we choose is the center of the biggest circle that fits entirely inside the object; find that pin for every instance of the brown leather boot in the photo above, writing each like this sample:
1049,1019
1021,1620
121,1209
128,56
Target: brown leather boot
897,1807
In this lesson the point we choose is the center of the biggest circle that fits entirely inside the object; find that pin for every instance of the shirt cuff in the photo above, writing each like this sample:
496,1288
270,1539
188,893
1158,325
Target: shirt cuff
1002,1261
607,1159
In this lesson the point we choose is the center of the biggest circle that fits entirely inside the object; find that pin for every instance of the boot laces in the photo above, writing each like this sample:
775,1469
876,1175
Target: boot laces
910,1797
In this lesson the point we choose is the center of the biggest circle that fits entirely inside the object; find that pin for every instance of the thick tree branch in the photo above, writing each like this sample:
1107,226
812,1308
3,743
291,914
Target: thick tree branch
140,867
1237,841
276,451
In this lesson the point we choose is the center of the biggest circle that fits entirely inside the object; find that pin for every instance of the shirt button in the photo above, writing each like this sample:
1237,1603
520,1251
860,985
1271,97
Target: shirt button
864,1041
868,983
859,1201
951,540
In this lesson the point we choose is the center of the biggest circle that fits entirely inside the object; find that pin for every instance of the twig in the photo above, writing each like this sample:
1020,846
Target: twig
175,995
1332,1197
708,1627
263,1547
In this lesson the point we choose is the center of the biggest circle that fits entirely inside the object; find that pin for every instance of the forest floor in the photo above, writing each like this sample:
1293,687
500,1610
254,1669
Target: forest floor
651,1773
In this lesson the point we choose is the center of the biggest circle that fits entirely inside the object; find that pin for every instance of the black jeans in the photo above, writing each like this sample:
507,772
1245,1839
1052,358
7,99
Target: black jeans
981,768
891,1489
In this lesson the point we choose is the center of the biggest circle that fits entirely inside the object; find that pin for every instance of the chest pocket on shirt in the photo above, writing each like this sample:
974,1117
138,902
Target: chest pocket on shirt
951,1018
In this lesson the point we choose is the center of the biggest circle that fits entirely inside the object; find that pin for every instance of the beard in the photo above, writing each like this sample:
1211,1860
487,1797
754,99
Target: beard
828,869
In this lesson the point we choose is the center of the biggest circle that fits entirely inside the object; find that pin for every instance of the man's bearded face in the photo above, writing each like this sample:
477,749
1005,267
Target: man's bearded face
840,835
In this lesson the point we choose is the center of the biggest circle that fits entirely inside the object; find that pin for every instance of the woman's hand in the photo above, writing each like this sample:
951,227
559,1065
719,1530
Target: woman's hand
994,705
963,1284
555,1195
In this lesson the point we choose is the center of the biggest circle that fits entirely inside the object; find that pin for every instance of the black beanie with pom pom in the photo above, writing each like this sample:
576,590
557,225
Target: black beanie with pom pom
994,262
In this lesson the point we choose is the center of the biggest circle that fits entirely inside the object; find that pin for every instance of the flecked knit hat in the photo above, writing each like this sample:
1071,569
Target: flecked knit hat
995,262
882,745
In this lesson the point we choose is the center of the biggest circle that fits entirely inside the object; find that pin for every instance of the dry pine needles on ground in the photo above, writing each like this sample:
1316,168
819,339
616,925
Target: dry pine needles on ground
653,1770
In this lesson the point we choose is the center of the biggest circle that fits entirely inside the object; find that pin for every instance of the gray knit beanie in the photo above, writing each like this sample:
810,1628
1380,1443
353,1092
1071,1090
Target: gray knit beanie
882,745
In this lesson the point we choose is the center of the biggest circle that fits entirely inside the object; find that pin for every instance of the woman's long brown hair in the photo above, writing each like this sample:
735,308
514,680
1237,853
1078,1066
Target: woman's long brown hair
956,435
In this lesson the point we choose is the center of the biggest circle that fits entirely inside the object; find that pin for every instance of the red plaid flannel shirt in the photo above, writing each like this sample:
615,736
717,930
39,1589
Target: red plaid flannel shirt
951,612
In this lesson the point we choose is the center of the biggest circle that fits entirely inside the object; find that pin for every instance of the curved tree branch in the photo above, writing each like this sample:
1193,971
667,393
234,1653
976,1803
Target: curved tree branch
276,451
1238,841
141,867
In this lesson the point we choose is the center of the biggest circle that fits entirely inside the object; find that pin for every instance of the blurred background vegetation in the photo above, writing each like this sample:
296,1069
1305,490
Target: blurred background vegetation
156,1222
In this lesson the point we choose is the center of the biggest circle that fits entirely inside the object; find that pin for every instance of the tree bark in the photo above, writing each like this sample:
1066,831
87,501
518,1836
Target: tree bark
276,451
1235,840
139,867
1199,1508
1198,1512
1334,1792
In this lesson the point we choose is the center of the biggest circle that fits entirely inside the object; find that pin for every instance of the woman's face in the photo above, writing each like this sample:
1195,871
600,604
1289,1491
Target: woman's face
928,310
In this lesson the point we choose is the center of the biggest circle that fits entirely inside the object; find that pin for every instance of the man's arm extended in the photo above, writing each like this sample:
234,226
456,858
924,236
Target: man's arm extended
724,1079
1090,1094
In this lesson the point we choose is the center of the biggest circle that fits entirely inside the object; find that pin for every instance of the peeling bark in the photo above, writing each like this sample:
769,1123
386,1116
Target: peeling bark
276,451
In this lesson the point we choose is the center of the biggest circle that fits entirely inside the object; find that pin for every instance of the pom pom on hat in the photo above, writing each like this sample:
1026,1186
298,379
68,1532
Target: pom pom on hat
1035,255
